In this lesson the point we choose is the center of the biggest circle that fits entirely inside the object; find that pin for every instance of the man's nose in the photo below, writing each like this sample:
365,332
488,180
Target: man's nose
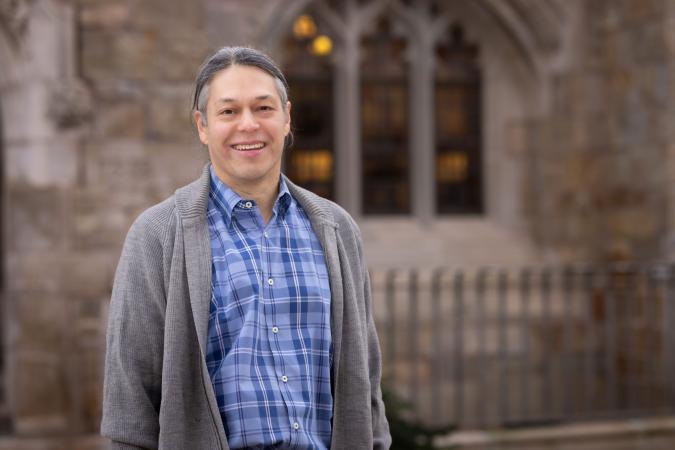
248,121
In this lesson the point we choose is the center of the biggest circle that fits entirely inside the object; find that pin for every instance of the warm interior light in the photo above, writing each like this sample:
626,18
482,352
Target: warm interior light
313,165
451,167
322,45
304,27
453,115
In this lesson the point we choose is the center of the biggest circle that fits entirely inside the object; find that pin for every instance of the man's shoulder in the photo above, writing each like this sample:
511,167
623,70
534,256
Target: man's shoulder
342,218
185,202
317,206
155,221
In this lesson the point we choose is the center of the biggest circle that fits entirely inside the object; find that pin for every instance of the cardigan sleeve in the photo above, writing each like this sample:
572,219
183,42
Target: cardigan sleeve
381,434
134,342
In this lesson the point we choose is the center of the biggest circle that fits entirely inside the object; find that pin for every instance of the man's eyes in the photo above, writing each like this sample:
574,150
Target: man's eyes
232,111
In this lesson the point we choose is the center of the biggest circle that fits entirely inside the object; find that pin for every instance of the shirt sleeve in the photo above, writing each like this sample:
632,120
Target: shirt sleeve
134,344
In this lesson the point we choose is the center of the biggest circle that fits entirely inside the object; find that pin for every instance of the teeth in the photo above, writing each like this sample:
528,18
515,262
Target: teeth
249,146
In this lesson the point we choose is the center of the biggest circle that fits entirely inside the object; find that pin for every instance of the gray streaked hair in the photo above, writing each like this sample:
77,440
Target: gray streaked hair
230,56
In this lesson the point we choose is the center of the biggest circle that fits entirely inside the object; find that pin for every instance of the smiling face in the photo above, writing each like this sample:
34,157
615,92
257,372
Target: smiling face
245,128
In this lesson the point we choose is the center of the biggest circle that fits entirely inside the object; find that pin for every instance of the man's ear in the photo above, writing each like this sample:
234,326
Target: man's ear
201,127
287,127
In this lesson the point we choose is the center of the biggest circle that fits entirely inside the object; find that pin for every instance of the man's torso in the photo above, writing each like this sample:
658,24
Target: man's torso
269,338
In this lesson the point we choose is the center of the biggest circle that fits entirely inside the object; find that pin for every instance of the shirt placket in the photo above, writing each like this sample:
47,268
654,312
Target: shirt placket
279,329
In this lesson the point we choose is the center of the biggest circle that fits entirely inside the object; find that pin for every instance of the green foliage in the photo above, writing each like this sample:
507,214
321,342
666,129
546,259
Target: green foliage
407,434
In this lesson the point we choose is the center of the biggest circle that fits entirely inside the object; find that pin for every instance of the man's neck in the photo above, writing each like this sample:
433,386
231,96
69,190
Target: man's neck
263,192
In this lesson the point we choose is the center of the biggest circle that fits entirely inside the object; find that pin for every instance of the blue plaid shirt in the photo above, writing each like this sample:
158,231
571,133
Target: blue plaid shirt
269,339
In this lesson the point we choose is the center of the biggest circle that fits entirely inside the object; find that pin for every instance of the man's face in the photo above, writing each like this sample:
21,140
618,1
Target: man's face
246,126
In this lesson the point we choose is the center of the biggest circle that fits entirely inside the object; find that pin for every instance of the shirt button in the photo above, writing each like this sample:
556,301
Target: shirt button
270,281
275,329
248,205
265,234
296,425
284,379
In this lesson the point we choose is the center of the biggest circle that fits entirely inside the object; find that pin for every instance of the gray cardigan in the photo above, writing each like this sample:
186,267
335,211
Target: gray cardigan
157,391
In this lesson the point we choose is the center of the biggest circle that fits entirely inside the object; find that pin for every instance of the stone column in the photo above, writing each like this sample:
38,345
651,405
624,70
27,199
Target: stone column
420,56
348,123
42,104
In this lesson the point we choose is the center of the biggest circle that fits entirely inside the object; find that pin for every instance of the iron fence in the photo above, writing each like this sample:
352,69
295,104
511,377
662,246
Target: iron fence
503,348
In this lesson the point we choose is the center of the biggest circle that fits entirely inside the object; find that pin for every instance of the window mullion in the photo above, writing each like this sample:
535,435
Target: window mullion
422,147
348,126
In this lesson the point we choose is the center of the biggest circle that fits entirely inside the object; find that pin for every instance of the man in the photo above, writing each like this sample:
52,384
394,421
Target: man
241,309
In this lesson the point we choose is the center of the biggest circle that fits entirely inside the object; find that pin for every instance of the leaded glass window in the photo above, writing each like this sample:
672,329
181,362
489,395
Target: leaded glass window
384,122
310,162
354,75
457,111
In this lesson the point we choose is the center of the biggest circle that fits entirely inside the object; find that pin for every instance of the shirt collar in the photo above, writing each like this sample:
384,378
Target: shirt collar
226,200
283,201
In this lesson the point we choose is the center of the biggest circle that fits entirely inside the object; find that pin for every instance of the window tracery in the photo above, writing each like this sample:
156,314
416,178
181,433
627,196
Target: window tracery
354,66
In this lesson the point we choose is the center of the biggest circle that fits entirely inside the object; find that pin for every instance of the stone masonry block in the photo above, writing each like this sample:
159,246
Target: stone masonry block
119,92
170,115
37,219
39,394
154,54
97,53
84,274
89,275
119,166
121,120
174,165
48,162
634,223
128,55
39,321
105,15
97,226
24,112
35,271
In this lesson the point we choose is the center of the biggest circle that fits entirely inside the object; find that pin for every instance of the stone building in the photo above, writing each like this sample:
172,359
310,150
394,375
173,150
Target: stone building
458,133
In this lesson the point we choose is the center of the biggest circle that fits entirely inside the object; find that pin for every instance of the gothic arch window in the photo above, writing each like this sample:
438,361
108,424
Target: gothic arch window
458,131
386,108
309,162
384,121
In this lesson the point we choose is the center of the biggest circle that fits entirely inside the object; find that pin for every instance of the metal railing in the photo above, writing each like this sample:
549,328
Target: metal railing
502,348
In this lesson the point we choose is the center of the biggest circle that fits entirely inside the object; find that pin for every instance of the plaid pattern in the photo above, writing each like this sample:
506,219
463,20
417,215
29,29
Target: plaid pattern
269,339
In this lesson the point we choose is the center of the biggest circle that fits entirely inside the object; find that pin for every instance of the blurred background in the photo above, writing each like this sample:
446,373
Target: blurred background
511,164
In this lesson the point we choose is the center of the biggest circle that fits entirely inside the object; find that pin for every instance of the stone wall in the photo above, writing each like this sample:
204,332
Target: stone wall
96,128
51,332
599,157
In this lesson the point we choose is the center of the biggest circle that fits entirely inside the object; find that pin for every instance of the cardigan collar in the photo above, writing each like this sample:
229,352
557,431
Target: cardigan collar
192,200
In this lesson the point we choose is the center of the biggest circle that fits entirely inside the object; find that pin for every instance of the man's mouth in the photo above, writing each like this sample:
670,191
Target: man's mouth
248,147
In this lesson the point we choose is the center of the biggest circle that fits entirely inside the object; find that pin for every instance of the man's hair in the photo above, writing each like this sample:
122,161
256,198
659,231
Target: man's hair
227,57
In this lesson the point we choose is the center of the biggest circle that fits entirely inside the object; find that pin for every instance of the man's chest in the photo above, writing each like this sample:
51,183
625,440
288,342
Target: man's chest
274,274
